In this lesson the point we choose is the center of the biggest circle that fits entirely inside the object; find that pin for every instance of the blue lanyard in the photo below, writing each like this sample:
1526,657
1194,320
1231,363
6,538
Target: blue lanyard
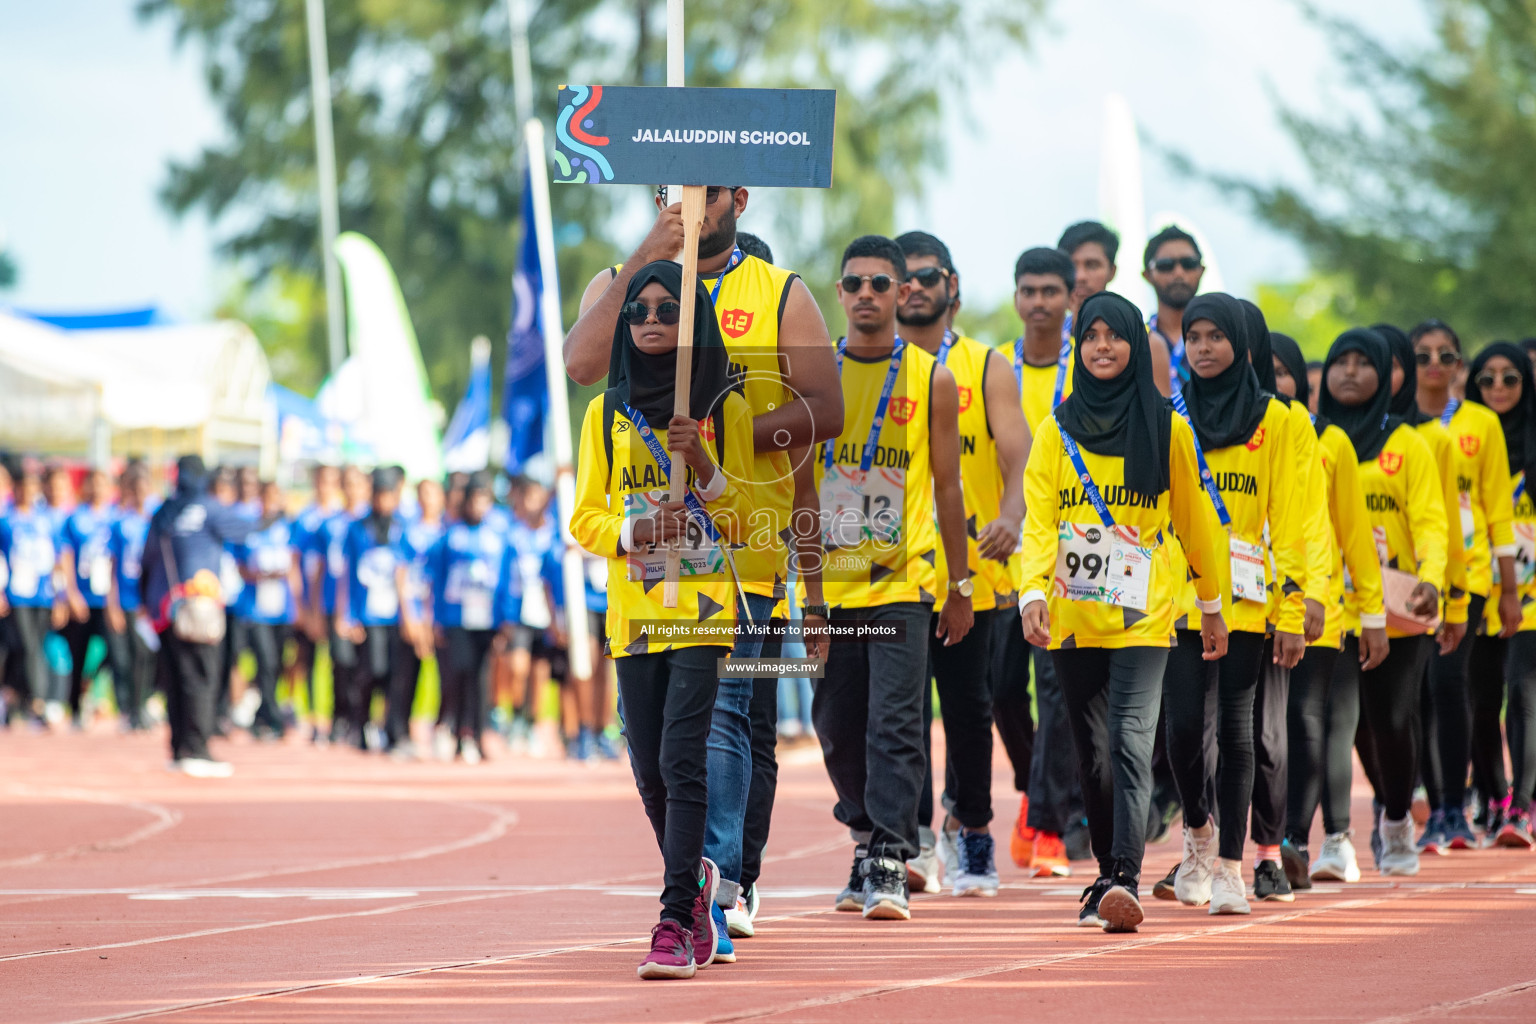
1450,410
944,346
690,500
867,459
1205,470
736,257
1178,373
1089,487
1063,360
1520,488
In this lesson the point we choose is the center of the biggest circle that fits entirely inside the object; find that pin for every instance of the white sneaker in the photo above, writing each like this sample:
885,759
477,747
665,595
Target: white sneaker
1399,855
243,714
948,849
442,743
1337,861
976,872
204,768
738,921
470,752
924,871
1228,895
1192,885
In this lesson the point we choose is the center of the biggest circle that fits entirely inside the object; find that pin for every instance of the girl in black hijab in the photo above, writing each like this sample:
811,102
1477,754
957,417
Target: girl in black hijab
1405,396
1405,506
1225,409
1258,348
1110,650
1284,350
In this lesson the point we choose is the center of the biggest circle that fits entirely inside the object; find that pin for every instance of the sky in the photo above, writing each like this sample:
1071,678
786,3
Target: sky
93,104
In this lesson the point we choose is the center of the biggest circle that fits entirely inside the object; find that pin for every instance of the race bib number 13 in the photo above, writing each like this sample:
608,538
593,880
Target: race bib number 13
1103,564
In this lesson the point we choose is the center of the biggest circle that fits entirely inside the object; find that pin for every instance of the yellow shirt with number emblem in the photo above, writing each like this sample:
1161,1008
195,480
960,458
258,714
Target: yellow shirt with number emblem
1352,545
876,572
1405,501
1053,494
1453,596
1485,502
706,605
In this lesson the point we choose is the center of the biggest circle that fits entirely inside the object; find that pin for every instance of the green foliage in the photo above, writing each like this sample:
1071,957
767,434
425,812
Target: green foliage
426,139
1426,206
8,271
1314,311
286,310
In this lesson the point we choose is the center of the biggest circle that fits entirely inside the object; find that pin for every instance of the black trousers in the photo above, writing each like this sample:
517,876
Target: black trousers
868,712
267,642
26,667
764,719
1271,748
78,636
465,659
133,672
1447,729
1055,796
961,673
1323,710
371,674
1010,694
1486,683
1388,735
667,701
343,668
190,678
304,662
402,694
1521,720
1197,694
1112,698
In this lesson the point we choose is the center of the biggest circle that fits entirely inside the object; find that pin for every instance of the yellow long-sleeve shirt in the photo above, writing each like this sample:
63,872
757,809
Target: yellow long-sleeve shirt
1453,596
1054,496
1353,545
1312,505
607,495
1406,505
1485,501
1523,531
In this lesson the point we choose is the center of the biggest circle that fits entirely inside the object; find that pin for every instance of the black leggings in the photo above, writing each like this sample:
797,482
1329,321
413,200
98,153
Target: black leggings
1450,727
133,672
960,672
26,667
1323,711
1196,694
1388,735
1520,719
1486,681
466,654
1271,748
78,636
267,642
668,700
1009,678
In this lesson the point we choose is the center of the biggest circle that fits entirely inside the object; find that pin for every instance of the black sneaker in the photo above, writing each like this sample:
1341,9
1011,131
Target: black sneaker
1119,907
1293,857
1269,883
1077,841
1163,888
885,889
852,896
1089,917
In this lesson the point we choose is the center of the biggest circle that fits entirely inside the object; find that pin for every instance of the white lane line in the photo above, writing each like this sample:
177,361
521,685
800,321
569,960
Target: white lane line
162,818
1441,1009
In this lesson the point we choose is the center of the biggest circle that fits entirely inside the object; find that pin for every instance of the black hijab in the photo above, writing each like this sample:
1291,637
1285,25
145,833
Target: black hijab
1406,402
647,382
1285,349
1258,349
1125,416
1368,425
1225,409
1520,422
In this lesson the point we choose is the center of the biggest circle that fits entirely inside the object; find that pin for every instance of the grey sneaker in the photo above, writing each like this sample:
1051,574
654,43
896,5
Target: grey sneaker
976,873
852,896
1337,861
948,849
924,872
885,890
1399,855
1192,884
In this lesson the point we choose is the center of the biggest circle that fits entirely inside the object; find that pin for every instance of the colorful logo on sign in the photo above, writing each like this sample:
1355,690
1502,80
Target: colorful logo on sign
735,322
1390,462
1469,445
573,129
902,410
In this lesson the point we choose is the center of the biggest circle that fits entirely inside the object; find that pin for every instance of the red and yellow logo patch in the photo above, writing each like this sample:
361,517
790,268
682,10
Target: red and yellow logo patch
1390,462
1256,441
735,322
707,429
903,409
1469,445
965,398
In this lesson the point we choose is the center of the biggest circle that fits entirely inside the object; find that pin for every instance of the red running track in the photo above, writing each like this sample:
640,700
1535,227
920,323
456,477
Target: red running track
323,885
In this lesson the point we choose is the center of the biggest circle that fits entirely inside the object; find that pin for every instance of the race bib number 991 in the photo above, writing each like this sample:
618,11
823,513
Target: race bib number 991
1103,564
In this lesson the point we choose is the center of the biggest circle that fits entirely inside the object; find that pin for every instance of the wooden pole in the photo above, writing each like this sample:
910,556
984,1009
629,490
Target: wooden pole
693,223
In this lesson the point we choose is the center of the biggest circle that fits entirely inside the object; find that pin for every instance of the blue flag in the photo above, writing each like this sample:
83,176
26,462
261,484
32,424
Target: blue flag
526,399
467,441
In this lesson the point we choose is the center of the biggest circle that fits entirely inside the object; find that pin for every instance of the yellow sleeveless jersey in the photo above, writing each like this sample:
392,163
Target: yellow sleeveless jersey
1405,502
863,568
606,495
749,308
1485,503
1523,531
1352,542
1054,496
980,477
1453,597
1257,481
1037,384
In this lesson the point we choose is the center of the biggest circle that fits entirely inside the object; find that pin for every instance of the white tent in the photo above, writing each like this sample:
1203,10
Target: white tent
156,391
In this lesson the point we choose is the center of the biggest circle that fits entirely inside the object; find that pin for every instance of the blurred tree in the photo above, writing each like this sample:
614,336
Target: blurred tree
1425,206
286,310
1315,311
425,133
7,270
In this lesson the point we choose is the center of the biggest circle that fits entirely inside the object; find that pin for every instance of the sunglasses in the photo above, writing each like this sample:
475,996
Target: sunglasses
637,313
711,193
1166,265
929,277
1445,358
1509,379
881,283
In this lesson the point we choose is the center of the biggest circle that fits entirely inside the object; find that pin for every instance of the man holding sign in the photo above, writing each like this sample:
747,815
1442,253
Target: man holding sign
774,334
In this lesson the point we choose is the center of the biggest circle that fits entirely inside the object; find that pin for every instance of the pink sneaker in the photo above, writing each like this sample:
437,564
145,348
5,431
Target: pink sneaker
671,954
705,936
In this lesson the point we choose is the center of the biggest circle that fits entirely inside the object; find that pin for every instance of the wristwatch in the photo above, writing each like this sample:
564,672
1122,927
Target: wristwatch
965,588
815,609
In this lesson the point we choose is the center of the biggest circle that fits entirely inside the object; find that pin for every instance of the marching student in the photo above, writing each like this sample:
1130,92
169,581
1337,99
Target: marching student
416,632
368,599
133,663
667,681
1404,499
1244,448
1319,716
86,572
311,629
994,444
1500,378
1111,476
327,546
31,536
270,566
890,494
